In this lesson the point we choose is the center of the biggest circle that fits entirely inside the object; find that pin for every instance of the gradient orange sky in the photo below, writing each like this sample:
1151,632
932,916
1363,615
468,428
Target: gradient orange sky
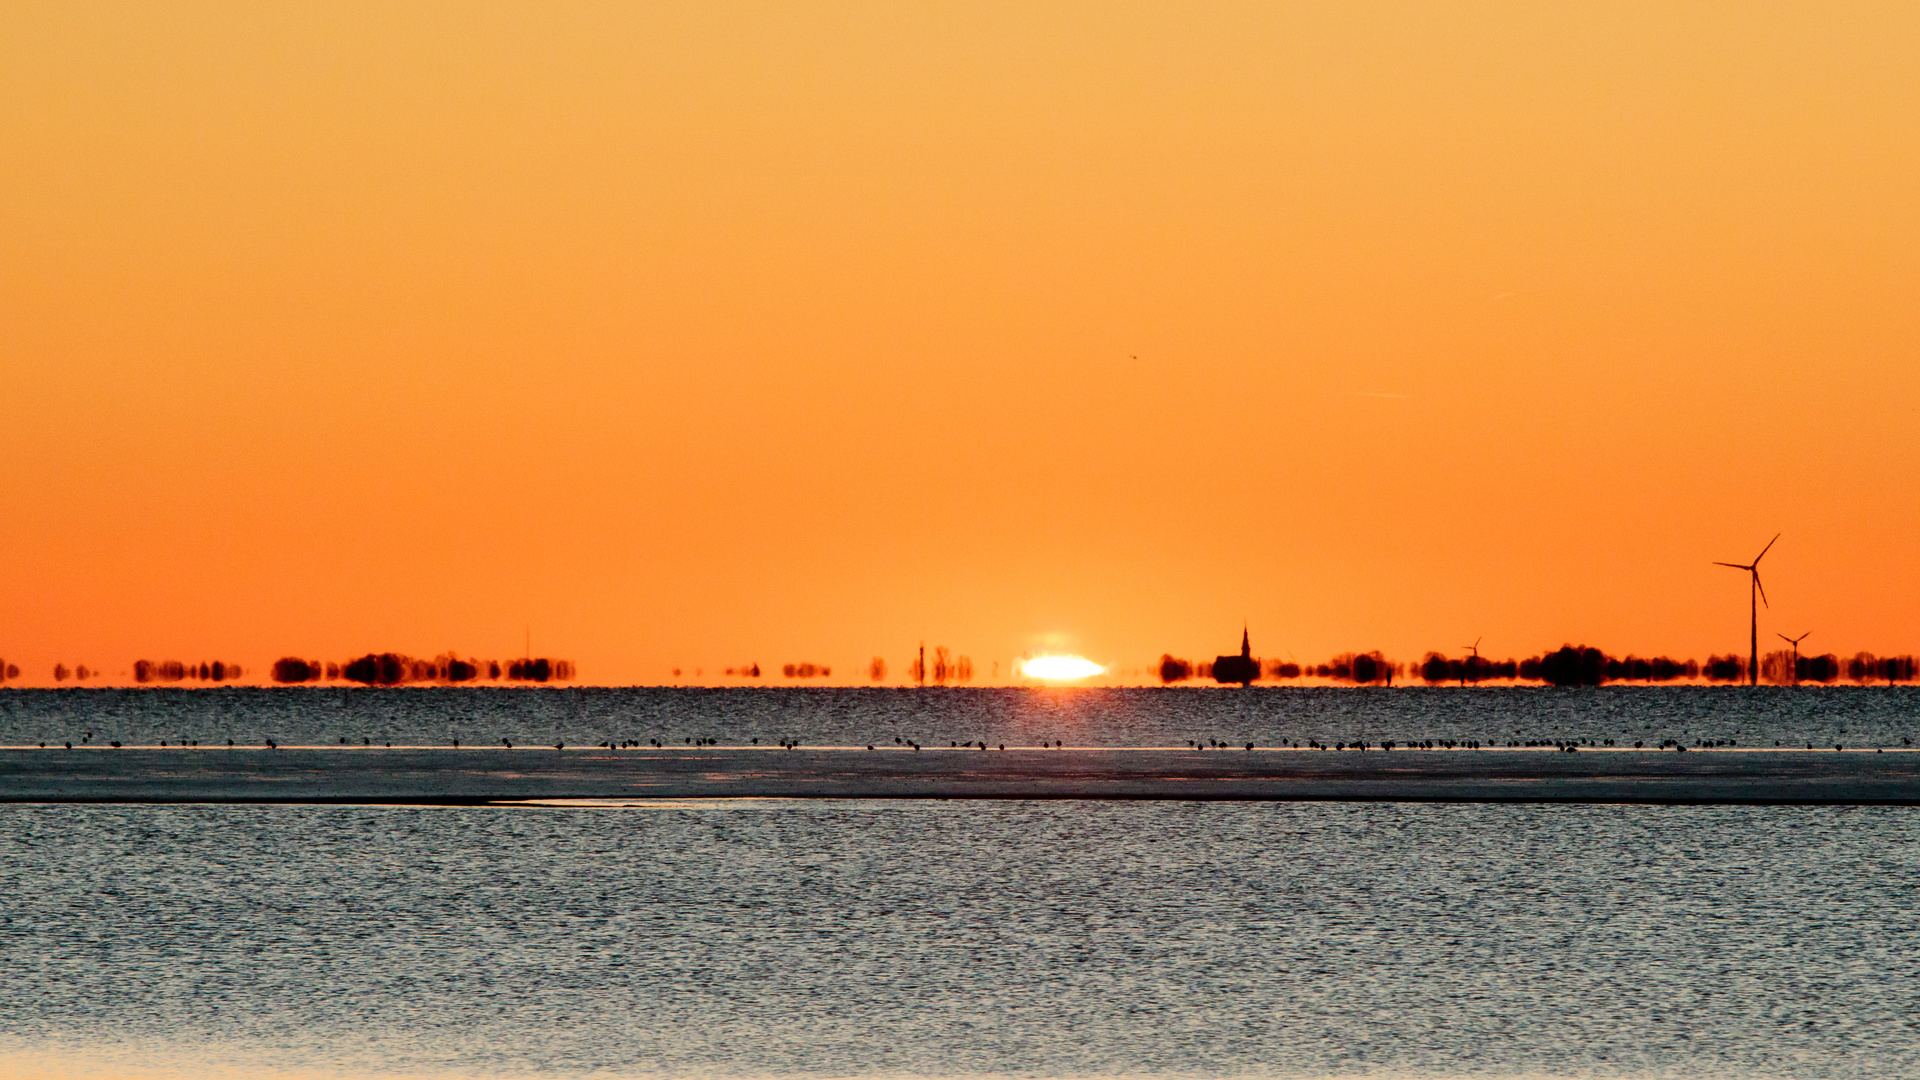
707,333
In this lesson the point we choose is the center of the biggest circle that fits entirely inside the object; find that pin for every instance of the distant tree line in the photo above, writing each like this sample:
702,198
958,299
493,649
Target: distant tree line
173,671
396,669
1569,665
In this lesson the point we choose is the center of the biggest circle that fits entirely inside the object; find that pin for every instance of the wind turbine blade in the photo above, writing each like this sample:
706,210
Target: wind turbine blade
1735,565
1786,639
1764,550
1762,588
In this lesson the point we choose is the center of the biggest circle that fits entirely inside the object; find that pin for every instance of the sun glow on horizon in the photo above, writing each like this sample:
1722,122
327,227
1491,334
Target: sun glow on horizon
1056,668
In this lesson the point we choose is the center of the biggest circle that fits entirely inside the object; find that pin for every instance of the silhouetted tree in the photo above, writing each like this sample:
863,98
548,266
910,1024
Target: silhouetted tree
378,669
542,670
1729,668
292,669
1371,668
1173,669
1820,669
1778,668
1572,665
1866,667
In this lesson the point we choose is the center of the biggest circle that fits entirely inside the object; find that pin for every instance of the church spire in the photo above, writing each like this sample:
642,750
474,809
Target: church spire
1246,649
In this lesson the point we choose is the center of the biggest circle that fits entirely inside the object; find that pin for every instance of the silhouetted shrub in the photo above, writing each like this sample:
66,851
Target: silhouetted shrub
1728,668
378,669
1371,668
1657,669
1777,667
1666,669
1821,669
806,671
1866,667
877,669
159,671
292,669
1360,668
1173,669
1572,665
545,670
1279,669
948,667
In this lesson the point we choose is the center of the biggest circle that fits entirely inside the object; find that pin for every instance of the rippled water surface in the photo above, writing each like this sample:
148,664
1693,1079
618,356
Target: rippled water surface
962,938
1763,716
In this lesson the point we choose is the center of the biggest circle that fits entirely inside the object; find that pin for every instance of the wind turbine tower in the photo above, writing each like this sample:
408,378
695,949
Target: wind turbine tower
1756,597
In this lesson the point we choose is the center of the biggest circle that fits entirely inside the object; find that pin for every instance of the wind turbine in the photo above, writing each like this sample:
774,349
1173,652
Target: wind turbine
1756,597
1795,642
1472,665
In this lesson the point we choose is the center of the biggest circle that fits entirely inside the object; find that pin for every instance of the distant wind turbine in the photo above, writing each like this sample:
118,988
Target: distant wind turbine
1756,597
1473,665
1795,642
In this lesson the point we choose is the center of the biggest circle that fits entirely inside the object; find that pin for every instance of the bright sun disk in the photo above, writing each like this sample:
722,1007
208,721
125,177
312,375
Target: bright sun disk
1060,667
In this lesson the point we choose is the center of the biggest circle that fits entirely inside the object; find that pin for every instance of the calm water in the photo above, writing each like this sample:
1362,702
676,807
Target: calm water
958,938
1853,716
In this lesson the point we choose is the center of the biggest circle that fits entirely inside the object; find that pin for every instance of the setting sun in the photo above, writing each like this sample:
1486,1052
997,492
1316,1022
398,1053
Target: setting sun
1060,667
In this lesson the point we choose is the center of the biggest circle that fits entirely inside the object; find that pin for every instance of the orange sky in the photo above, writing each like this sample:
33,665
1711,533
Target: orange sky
698,334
